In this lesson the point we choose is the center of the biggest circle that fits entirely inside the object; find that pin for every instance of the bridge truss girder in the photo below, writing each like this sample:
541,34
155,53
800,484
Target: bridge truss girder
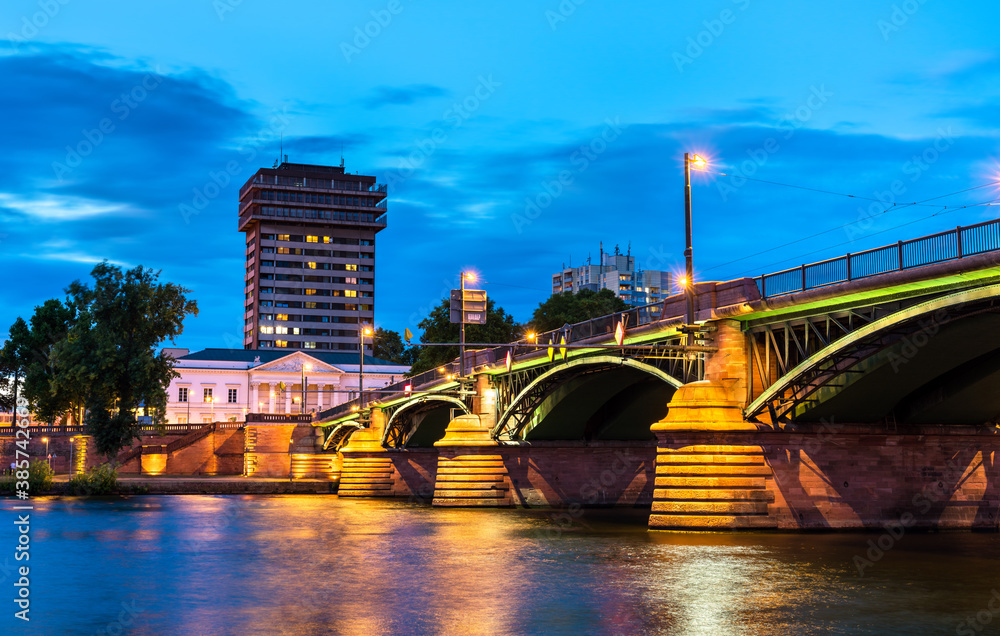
792,375
521,392
400,423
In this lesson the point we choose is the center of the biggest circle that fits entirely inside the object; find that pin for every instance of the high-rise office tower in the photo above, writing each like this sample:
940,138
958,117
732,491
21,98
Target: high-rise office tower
310,267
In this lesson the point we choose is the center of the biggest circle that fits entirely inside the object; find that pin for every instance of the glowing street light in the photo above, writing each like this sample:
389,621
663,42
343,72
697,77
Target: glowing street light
48,460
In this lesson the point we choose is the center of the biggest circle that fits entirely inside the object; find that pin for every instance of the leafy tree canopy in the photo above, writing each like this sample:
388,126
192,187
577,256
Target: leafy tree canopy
569,308
96,352
499,328
389,346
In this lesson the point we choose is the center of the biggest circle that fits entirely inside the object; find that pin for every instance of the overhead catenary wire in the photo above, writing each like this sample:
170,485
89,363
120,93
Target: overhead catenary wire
895,206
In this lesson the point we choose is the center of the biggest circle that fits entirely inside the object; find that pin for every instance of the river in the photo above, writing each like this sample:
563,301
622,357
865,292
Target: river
299,565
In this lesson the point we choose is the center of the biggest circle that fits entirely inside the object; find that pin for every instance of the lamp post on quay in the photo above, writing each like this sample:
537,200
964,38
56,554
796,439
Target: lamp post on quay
698,163
302,385
465,276
365,331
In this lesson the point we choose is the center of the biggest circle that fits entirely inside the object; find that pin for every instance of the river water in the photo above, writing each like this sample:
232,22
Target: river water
299,565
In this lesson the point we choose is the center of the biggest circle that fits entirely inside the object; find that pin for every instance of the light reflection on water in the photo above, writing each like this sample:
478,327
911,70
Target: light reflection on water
320,565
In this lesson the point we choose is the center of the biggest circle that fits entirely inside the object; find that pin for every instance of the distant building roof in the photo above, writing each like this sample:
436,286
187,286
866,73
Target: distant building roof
269,355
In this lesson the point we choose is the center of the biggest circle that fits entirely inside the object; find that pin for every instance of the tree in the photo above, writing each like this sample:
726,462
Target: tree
569,308
13,364
96,352
111,350
50,325
499,328
388,345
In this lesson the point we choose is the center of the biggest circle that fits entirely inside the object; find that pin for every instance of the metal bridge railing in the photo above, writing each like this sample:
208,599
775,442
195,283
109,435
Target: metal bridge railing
670,307
926,250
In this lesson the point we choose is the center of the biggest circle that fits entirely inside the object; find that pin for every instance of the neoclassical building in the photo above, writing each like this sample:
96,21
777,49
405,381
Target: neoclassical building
217,385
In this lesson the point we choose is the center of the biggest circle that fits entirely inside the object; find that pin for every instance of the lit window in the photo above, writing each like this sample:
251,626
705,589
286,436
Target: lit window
350,293
312,239
267,330
308,345
282,316
310,265
280,343
281,330
310,292
351,268
283,237
309,305
208,395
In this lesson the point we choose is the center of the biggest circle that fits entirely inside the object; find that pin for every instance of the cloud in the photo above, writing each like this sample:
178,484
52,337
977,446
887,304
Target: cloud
401,95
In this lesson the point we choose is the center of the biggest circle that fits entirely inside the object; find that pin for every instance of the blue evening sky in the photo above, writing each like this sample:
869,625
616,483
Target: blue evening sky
472,112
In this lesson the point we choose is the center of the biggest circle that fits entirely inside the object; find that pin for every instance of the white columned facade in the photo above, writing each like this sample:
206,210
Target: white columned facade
270,405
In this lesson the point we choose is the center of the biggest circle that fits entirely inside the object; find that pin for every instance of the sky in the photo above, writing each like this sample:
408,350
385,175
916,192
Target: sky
515,137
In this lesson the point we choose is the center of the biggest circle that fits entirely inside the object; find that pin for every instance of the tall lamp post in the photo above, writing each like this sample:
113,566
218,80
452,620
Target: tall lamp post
365,331
302,385
698,162
48,460
72,443
466,276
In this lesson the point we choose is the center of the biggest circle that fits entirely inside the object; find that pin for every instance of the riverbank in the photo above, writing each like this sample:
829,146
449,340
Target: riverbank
209,485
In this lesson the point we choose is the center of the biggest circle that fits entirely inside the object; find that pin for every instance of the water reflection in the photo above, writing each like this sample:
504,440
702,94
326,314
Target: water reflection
319,565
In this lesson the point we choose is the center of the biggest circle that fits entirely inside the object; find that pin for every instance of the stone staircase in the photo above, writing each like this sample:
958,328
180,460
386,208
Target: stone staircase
313,466
249,449
362,476
709,487
471,480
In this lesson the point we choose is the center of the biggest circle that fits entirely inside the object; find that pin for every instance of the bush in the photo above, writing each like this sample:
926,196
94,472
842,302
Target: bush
39,479
99,480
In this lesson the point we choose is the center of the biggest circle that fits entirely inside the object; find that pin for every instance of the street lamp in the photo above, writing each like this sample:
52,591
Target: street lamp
212,401
305,380
365,331
48,460
72,443
698,162
465,276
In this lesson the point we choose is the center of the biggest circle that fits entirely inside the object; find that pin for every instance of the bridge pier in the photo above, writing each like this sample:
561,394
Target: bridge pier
367,468
470,471
711,472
